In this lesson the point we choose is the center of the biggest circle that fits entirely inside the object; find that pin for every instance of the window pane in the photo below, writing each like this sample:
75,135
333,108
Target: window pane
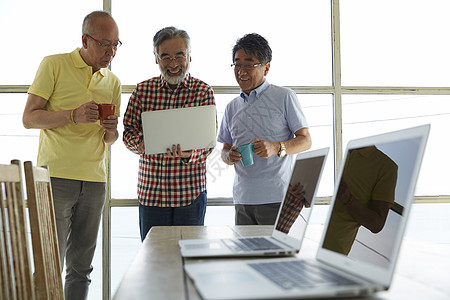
34,29
365,115
318,110
16,141
395,43
220,176
298,32
125,242
124,163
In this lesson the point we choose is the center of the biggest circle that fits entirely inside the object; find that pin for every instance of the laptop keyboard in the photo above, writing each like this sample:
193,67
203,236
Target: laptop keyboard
299,274
253,243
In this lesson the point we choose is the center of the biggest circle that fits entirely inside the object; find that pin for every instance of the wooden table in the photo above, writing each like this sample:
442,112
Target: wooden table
423,271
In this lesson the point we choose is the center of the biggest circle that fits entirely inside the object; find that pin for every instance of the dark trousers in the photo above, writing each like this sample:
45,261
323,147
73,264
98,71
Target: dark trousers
193,214
262,214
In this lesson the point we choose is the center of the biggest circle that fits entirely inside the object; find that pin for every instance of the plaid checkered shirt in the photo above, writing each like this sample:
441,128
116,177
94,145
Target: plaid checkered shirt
290,211
163,181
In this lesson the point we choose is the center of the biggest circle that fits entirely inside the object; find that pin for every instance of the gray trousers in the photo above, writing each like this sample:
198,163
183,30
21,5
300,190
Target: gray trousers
262,214
78,211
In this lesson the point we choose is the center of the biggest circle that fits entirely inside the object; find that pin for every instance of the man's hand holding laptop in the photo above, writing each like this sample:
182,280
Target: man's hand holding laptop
177,152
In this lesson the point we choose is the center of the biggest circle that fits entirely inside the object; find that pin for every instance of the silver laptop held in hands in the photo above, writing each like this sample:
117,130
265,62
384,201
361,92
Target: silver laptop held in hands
357,255
293,216
191,127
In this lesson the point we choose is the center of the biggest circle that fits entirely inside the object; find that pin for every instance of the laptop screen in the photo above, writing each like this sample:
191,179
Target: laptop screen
375,190
296,207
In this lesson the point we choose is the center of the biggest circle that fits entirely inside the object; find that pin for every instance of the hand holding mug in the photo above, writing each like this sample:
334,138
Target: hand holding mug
246,152
233,156
105,110
86,113
265,149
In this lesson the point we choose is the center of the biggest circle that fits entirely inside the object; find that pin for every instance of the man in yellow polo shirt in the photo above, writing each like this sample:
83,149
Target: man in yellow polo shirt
365,195
62,102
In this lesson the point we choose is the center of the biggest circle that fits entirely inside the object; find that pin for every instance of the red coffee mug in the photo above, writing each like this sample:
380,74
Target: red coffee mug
105,110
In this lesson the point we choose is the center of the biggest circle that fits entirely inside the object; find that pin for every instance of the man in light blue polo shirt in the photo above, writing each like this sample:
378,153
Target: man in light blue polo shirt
269,116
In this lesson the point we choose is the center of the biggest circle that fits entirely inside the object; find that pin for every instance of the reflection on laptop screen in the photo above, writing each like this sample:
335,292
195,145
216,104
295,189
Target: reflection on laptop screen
374,188
301,191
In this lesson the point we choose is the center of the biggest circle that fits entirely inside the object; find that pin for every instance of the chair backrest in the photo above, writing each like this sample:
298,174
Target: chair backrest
16,281
43,233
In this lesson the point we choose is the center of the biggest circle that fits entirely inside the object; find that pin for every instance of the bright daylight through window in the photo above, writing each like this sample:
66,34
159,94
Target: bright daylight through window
387,70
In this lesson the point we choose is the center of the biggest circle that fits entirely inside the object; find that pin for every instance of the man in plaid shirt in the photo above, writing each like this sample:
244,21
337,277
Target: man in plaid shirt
294,201
171,186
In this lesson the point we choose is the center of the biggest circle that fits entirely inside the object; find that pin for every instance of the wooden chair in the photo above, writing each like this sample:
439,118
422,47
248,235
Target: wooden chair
44,238
16,280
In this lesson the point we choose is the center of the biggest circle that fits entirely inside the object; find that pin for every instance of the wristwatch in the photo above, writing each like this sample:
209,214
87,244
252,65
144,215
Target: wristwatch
282,152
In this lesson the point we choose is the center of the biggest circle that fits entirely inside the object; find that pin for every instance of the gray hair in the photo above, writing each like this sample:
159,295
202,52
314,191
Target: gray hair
255,45
169,33
89,20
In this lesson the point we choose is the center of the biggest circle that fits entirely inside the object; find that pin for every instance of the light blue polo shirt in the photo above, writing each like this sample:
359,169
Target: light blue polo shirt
270,113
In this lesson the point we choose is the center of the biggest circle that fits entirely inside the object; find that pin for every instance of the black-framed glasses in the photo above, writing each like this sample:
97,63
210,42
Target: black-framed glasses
166,59
247,67
106,45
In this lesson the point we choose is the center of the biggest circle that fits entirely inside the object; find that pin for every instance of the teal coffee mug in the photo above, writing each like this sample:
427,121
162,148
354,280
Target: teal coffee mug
246,152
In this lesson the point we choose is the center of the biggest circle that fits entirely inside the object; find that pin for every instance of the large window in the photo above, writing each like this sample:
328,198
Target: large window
372,114
359,67
395,42
220,176
301,46
298,32
34,29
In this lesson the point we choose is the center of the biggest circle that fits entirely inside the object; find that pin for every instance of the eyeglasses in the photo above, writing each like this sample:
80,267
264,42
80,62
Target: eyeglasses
166,59
247,68
104,45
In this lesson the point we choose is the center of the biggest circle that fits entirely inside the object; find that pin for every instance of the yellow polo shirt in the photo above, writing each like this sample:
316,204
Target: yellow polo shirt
370,175
74,151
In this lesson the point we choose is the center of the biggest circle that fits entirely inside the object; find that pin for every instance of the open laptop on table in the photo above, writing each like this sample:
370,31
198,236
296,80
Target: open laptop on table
293,216
351,260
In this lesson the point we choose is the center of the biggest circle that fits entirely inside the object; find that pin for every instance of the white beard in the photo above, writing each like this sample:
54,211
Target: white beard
174,80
